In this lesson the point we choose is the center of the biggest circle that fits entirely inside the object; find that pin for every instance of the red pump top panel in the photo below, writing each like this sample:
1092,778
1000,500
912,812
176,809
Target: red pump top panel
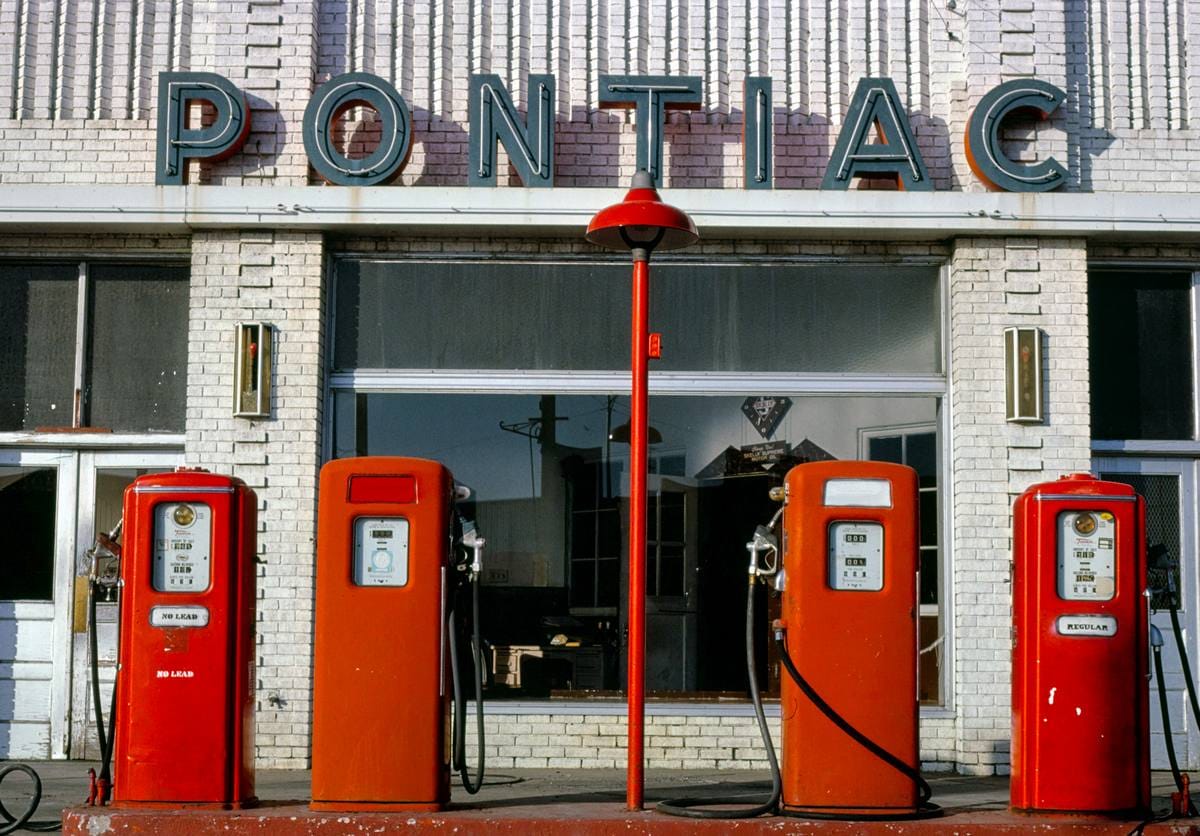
185,689
1080,658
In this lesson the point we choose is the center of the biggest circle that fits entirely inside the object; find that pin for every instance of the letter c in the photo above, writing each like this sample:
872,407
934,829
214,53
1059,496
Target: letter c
984,154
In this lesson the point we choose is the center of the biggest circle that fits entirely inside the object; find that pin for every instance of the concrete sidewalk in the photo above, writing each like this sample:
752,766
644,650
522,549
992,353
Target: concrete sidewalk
551,800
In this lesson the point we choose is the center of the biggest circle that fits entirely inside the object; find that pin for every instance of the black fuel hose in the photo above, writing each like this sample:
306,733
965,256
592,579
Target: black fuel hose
23,821
924,792
1183,660
688,807
1166,721
459,755
105,739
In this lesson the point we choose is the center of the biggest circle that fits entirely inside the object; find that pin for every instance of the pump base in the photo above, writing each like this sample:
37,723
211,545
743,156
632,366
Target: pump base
1129,814
860,813
376,806
244,804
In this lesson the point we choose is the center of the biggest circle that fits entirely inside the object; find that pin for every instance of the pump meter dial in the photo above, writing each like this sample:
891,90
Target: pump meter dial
182,547
380,551
856,556
1086,556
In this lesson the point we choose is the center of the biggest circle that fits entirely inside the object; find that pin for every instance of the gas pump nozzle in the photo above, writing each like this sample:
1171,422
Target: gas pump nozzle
764,541
475,543
105,555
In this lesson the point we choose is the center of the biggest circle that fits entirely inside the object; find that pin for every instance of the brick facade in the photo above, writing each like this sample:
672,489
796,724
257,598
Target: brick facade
78,107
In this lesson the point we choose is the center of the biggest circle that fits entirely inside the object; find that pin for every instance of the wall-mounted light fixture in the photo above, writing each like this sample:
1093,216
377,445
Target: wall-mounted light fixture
252,371
1023,375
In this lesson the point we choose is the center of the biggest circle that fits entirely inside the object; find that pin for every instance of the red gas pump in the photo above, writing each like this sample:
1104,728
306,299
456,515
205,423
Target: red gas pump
848,639
1080,702
387,579
185,684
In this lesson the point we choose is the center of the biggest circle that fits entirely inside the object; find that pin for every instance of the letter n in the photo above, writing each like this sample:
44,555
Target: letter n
494,120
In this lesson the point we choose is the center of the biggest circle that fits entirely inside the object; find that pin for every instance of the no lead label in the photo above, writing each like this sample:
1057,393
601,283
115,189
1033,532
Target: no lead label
1086,556
179,616
182,546
1086,625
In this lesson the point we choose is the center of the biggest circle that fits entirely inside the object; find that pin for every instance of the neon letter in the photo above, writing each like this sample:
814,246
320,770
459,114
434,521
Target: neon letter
176,142
335,97
876,107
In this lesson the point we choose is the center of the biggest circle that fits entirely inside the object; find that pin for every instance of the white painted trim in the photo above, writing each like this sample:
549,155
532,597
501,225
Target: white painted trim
779,213
85,440
1143,447
661,383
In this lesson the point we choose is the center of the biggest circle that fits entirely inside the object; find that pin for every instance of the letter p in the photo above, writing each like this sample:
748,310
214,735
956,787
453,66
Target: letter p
177,142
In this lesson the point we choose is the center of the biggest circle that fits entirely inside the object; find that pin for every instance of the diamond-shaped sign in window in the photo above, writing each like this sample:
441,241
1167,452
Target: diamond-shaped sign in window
765,412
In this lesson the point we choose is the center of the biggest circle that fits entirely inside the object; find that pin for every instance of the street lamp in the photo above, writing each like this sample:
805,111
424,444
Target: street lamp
640,223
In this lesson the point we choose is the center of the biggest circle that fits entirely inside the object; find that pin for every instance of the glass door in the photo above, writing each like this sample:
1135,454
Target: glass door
37,507
103,477
1169,486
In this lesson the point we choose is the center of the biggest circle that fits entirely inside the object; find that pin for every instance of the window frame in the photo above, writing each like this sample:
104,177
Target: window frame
605,382
1139,446
83,263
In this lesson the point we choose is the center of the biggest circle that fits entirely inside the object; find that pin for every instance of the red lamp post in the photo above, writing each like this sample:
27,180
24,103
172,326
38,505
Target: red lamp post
641,223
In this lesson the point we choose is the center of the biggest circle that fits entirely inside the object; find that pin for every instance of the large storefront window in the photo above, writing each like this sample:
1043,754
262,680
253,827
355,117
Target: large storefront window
119,364
548,466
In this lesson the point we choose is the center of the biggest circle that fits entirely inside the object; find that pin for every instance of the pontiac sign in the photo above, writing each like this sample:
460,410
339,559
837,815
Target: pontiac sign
876,139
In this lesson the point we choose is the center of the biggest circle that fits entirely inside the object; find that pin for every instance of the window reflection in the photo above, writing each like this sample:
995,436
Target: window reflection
550,484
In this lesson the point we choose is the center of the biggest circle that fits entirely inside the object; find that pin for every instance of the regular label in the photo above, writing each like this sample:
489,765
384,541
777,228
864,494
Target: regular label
182,546
1086,625
856,556
1086,556
179,616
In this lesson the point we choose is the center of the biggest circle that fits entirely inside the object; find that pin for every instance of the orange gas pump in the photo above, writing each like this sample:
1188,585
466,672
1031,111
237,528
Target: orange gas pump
184,715
388,579
1080,649
848,639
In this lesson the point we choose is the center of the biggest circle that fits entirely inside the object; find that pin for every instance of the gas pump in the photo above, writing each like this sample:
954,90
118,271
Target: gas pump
184,712
1080,649
393,559
848,641
850,717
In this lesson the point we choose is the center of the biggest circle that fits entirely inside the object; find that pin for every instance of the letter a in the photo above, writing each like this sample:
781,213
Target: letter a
876,107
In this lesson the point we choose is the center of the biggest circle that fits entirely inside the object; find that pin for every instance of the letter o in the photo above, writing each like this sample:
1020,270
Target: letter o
335,97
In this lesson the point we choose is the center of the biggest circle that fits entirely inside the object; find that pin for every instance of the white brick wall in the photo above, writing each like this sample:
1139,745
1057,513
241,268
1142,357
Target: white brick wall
274,277
672,740
996,283
75,114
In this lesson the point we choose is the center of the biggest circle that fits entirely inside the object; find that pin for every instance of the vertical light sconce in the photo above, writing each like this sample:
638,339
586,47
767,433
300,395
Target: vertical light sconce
1023,375
252,371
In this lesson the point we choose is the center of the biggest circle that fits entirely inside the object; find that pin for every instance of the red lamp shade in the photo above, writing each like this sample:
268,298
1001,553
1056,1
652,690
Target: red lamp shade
642,221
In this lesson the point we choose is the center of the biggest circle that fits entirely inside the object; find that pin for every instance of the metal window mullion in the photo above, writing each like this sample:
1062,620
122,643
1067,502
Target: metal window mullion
1195,323
81,330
